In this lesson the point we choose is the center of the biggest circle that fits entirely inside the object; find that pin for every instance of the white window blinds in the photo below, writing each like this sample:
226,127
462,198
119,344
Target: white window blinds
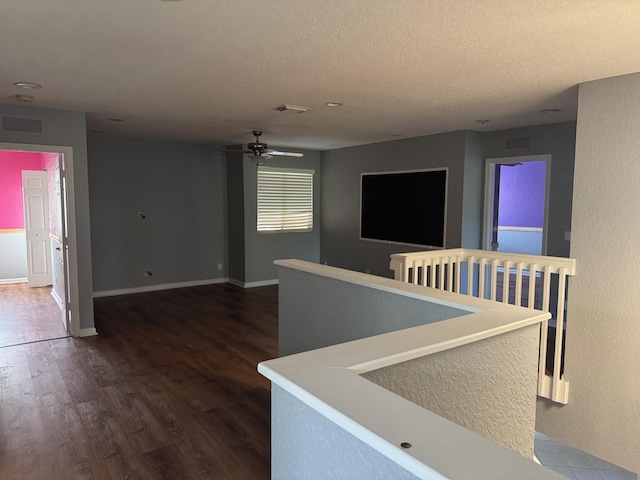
285,200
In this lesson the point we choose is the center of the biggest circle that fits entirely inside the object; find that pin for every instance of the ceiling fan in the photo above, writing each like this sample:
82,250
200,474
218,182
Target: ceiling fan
258,152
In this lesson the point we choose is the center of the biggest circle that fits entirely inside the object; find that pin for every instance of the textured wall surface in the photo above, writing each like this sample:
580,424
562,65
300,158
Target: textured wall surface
306,445
316,311
488,387
603,325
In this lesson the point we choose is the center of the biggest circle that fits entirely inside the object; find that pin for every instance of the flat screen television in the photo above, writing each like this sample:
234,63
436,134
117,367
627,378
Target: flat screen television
404,207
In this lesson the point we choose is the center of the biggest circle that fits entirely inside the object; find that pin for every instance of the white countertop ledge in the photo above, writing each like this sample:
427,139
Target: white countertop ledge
328,380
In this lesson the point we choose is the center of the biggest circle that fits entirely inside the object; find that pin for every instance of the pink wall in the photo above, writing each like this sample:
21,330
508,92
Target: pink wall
11,166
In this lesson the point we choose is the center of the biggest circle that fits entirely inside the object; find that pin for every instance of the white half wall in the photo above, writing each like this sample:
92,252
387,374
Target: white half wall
602,359
488,387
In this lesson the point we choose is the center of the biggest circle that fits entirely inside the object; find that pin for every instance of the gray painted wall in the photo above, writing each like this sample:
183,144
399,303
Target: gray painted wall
65,128
179,187
342,169
235,216
260,250
464,152
306,445
559,140
317,311
473,191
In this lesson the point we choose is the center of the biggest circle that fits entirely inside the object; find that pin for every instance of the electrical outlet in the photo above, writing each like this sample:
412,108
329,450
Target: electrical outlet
141,216
147,273
219,266
567,236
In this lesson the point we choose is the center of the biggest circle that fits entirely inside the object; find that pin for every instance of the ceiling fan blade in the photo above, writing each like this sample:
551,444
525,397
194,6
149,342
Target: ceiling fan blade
284,154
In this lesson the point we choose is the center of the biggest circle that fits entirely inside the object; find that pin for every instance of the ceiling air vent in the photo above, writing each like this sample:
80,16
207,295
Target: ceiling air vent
25,125
285,107
520,142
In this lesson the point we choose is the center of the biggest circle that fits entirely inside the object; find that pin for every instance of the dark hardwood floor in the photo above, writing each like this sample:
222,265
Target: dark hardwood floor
168,390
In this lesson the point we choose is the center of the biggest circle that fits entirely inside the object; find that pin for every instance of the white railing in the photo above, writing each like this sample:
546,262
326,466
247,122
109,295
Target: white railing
531,281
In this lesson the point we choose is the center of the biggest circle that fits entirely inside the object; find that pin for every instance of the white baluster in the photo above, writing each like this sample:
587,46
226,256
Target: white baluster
423,280
450,279
470,275
518,300
483,263
505,281
557,359
533,270
494,279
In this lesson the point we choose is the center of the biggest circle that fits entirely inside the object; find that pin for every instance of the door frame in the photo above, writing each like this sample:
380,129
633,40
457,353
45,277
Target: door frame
489,194
74,300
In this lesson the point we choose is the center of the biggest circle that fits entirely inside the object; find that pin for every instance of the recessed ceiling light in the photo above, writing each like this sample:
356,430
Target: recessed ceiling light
333,104
29,85
549,111
24,98
115,119
482,122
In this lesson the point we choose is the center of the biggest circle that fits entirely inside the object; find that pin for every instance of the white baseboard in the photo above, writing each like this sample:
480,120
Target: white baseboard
261,283
57,298
153,288
7,281
88,332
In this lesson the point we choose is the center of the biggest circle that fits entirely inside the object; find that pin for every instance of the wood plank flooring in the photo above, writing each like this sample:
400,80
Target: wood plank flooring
28,315
168,390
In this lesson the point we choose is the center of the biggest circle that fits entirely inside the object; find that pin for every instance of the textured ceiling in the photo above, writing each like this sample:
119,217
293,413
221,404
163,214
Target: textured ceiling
213,70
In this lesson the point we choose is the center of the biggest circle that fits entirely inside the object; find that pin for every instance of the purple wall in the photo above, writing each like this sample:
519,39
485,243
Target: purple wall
521,201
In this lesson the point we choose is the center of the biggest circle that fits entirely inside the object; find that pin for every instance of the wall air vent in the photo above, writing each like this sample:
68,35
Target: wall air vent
520,142
25,125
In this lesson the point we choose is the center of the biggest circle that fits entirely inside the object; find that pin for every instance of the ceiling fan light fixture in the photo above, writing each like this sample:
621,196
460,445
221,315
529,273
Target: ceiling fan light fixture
28,85
258,159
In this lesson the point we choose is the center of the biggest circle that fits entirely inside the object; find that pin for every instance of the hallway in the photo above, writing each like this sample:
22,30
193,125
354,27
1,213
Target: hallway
28,315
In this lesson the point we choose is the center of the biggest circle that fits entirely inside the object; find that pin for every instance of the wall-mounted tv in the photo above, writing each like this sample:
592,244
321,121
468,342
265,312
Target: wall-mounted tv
404,207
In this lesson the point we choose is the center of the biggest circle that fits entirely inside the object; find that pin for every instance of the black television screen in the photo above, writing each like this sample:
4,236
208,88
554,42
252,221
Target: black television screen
407,207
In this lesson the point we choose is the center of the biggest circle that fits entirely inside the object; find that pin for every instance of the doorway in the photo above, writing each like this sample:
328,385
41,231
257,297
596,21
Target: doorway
62,296
516,204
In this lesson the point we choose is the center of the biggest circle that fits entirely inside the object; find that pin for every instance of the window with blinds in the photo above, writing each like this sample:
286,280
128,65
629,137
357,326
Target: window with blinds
285,200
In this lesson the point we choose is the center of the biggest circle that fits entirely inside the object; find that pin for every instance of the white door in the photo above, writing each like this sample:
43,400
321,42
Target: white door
62,230
36,224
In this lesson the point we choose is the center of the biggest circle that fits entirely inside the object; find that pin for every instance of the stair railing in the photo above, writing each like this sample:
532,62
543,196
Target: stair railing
537,282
